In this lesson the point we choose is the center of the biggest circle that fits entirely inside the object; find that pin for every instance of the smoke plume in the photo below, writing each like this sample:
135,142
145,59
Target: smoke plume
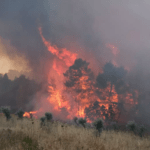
99,31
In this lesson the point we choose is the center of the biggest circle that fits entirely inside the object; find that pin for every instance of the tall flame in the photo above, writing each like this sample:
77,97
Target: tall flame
67,103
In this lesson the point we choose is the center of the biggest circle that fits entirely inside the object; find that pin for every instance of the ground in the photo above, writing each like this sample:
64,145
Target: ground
27,134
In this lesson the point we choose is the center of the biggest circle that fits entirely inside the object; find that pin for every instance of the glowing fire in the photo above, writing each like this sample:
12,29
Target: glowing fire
28,114
63,100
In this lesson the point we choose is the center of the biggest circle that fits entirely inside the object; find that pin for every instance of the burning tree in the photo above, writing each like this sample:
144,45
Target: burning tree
104,97
80,83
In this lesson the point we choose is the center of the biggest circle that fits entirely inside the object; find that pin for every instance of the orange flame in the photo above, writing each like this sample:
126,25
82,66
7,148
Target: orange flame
27,114
70,103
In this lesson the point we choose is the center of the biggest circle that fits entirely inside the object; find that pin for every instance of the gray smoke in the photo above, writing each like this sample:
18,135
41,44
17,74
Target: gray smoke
84,27
83,24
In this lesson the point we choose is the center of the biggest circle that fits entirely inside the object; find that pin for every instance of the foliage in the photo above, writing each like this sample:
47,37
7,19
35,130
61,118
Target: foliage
98,124
82,121
75,119
6,112
20,113
142,129
132,126
48,116
43,121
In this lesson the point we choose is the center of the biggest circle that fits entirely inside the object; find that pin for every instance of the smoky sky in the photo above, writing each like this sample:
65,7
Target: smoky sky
87,25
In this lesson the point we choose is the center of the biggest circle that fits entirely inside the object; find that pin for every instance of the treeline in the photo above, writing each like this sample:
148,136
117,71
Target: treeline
18,93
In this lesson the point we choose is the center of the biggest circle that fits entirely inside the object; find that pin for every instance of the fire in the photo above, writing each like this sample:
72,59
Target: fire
62,54
27,114
80,97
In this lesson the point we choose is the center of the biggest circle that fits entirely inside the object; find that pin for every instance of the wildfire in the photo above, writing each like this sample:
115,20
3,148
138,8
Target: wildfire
28,114
80,97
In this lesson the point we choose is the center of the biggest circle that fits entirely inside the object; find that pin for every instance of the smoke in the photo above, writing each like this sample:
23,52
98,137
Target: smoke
82,26
98,31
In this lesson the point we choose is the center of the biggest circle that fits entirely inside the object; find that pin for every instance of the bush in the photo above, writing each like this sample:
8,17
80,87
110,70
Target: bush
131,126
82,122
75,119
142,129
6,112
20,113
98,124
48,116
42,121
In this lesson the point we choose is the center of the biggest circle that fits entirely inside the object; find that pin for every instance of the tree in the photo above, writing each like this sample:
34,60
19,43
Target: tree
112,75
131,126
98,124
82,121
20,113
75,119
48,116
79,79
6,112
43,121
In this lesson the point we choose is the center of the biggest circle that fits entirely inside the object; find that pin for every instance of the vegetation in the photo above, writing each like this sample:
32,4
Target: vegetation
20,113
17,92
75,119
131,126
42,121
82,121
99,125
142,129
6,112
16,135
48,116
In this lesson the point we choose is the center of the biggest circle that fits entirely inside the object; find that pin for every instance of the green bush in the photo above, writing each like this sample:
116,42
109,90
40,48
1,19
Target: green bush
142,129
98,124
75,119
6,112
82,122
48,116
20,113
131,126
42,121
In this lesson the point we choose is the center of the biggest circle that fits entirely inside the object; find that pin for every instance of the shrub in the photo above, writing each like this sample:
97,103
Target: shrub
48,116
98,124
42,121
6,112
20,113
142,129
131,126
75,119
82,122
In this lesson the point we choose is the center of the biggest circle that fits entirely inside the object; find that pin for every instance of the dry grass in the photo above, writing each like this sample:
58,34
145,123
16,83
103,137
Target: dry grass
27,135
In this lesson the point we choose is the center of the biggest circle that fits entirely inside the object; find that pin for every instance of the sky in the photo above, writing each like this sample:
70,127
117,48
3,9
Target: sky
86,27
